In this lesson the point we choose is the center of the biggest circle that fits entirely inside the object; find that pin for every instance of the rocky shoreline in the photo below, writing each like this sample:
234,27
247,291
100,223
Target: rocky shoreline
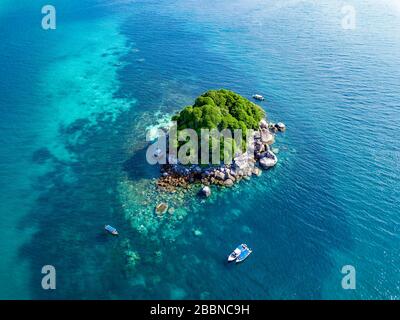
242,167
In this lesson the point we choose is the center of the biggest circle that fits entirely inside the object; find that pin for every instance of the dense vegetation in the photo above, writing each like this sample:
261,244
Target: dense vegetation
220,109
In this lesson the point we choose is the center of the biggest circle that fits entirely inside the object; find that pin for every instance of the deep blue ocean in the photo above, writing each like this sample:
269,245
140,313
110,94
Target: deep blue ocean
76,103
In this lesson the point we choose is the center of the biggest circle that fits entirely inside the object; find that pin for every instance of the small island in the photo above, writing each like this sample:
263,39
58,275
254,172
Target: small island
223,111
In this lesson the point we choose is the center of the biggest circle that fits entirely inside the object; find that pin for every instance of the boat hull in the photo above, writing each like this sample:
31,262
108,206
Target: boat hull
230,258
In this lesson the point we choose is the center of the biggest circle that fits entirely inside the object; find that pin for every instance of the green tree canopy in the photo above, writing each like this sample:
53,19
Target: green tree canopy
220,109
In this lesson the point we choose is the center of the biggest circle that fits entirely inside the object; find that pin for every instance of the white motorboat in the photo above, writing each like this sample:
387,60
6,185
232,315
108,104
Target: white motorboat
258,97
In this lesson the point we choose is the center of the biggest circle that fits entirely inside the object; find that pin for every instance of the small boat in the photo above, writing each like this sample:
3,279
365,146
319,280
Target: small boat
240,253
111,230
235,253
258,97
244,254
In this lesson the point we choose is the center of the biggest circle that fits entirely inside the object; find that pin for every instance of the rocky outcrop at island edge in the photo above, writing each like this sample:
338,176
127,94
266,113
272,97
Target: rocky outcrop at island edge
243,166
268,162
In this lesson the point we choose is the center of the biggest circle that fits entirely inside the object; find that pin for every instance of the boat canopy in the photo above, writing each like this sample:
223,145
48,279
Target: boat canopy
109,228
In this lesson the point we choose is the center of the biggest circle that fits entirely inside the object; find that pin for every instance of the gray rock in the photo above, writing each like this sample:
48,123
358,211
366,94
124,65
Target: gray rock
228,183
280,126
267,162
206,191
266,137
219,175
263,124
242,161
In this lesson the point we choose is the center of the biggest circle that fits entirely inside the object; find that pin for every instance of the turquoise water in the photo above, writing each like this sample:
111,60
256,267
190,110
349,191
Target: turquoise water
76,104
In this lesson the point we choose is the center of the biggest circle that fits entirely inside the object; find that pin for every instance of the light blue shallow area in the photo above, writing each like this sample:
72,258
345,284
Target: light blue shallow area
75,106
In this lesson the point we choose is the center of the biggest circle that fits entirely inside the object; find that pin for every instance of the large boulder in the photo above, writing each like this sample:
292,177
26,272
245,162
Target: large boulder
228,183
161,208
272,127
219,175
267,162
206,191
267,137
280,126
263,124
242,161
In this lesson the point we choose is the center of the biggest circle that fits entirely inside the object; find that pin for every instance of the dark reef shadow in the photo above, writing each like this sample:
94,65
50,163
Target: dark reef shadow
69,217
